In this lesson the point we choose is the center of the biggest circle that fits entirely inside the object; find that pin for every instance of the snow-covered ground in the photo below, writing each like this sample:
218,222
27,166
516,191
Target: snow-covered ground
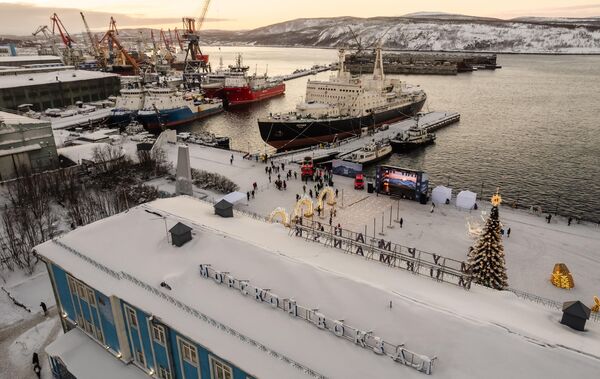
531,251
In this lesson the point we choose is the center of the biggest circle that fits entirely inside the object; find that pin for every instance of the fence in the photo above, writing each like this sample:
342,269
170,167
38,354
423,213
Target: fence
420,262
594,316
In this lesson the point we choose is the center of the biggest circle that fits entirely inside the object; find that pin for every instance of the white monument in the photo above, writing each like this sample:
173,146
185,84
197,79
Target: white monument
183,185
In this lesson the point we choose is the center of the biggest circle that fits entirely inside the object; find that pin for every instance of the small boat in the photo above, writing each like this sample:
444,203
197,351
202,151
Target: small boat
371,153
412,138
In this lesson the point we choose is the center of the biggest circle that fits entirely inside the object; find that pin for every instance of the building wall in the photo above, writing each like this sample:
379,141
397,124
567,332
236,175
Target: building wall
60,94
149,351
14,136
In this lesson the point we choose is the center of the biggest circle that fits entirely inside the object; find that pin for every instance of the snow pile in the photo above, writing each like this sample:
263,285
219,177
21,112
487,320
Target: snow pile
32,341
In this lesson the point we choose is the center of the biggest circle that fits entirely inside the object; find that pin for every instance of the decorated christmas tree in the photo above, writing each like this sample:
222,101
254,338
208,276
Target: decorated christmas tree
486,257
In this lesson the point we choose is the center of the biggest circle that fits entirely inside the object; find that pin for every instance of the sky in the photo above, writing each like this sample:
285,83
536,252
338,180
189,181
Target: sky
22,16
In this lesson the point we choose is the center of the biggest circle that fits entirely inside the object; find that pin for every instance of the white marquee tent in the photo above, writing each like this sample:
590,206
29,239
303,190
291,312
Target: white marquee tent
233,197
440,194
466,199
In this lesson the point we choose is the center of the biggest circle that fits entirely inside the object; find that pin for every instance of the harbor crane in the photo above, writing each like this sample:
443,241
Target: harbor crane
94,43
179,40
70,55
48,36
117,53
195,63
167,55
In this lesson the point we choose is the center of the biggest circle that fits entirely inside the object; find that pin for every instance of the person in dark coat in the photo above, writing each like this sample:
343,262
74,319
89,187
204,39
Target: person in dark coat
508,233
35,360
38,370
44,308
401,222
248,195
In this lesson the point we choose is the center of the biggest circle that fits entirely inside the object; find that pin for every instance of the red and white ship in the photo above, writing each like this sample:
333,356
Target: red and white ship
236,87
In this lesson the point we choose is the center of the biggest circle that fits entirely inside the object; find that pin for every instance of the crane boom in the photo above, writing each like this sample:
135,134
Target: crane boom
92,38
64,35
203,14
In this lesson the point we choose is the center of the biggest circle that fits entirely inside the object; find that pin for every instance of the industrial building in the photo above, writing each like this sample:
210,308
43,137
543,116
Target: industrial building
23,60
26,144
56,89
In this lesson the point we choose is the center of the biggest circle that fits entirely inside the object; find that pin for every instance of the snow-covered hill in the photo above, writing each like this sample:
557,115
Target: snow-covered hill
428,31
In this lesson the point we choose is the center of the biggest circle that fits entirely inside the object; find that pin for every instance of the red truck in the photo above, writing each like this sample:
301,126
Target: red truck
307,169
359,182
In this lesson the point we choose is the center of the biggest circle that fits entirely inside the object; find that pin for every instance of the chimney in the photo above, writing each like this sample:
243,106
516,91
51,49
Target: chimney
180,234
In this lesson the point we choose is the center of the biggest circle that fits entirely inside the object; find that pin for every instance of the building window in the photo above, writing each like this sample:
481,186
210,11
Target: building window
219,370
164,373
72,286
140,357
91,297
158,333
188,352
132,318
81,291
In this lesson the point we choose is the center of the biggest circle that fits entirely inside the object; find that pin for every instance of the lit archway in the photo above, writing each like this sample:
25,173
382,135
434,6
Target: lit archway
300,210
327,193
282,214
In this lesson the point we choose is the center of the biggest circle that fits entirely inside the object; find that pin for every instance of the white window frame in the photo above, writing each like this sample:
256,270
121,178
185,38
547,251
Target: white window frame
132,317
217,364
159,334
188,347
91,296
164,372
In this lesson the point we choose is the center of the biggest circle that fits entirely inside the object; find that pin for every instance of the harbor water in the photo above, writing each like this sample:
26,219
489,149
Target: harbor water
530,128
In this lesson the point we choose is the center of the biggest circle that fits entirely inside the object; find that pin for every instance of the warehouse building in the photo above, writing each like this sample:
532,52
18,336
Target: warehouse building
56,89
21,60
26,145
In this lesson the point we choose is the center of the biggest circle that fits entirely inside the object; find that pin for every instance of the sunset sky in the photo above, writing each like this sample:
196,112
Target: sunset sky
21,16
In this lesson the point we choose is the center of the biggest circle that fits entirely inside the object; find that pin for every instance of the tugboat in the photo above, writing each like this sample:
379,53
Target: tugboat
127,106
412,138
341,107
239,88
370,153
166,108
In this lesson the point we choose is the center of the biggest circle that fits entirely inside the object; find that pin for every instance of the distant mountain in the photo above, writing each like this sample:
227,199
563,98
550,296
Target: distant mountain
427,31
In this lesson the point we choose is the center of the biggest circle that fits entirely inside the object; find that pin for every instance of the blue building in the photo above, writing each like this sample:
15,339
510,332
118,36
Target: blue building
213,305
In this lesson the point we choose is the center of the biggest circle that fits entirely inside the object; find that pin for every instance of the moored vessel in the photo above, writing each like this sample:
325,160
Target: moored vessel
370,153
342,107
127,106
412,138
167,108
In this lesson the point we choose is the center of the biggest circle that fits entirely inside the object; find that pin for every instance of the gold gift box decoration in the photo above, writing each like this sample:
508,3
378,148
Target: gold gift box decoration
561,277
596,307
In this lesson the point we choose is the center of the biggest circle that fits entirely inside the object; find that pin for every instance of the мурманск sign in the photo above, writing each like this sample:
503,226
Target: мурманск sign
360,337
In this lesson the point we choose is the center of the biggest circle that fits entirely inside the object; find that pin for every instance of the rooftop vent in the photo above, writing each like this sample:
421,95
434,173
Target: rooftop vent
224,208
180,234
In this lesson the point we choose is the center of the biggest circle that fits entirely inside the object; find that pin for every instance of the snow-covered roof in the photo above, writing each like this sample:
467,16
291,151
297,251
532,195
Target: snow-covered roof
77,153
51,77
85,359
129,255
27,58
15,119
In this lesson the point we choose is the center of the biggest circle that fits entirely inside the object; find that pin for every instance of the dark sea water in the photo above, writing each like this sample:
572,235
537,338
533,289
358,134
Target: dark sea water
531,128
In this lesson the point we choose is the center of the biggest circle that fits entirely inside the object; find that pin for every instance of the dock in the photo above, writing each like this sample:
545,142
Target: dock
80,120
430,121
302,73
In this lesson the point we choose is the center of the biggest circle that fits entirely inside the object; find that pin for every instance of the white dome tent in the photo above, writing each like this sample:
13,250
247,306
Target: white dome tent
466,199
440,194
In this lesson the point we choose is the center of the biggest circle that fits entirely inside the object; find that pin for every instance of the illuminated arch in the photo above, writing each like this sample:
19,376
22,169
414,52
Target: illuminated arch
330,193
285,218
304,201
596,307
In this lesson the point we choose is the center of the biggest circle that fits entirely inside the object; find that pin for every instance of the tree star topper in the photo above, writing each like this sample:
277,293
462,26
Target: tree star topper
496,199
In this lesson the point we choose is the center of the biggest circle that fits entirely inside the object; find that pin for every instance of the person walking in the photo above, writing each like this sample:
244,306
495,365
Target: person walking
269,178
304,188
569,221
254,185
44,308
549,218
336,192
253,194
310,193
248,195
508,233
284,185
401,222
295,175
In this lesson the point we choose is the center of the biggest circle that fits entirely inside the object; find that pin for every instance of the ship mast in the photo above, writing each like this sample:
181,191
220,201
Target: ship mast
342,61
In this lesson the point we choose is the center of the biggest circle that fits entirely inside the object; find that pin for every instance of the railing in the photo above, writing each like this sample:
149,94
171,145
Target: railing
416,261
594,316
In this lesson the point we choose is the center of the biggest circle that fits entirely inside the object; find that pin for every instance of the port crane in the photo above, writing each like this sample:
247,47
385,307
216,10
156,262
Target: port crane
70,55
94,43
168,55
196,63
116,52
48,36
179,40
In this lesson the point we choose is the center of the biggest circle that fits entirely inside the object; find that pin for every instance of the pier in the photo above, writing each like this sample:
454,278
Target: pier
429,121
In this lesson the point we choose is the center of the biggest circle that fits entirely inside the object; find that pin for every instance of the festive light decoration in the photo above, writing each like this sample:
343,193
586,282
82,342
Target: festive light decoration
486,258
304,201
285,218
561,277
596,307
330,193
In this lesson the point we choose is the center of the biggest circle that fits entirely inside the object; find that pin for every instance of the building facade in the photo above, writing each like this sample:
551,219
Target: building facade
57,89
26,145
131,334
